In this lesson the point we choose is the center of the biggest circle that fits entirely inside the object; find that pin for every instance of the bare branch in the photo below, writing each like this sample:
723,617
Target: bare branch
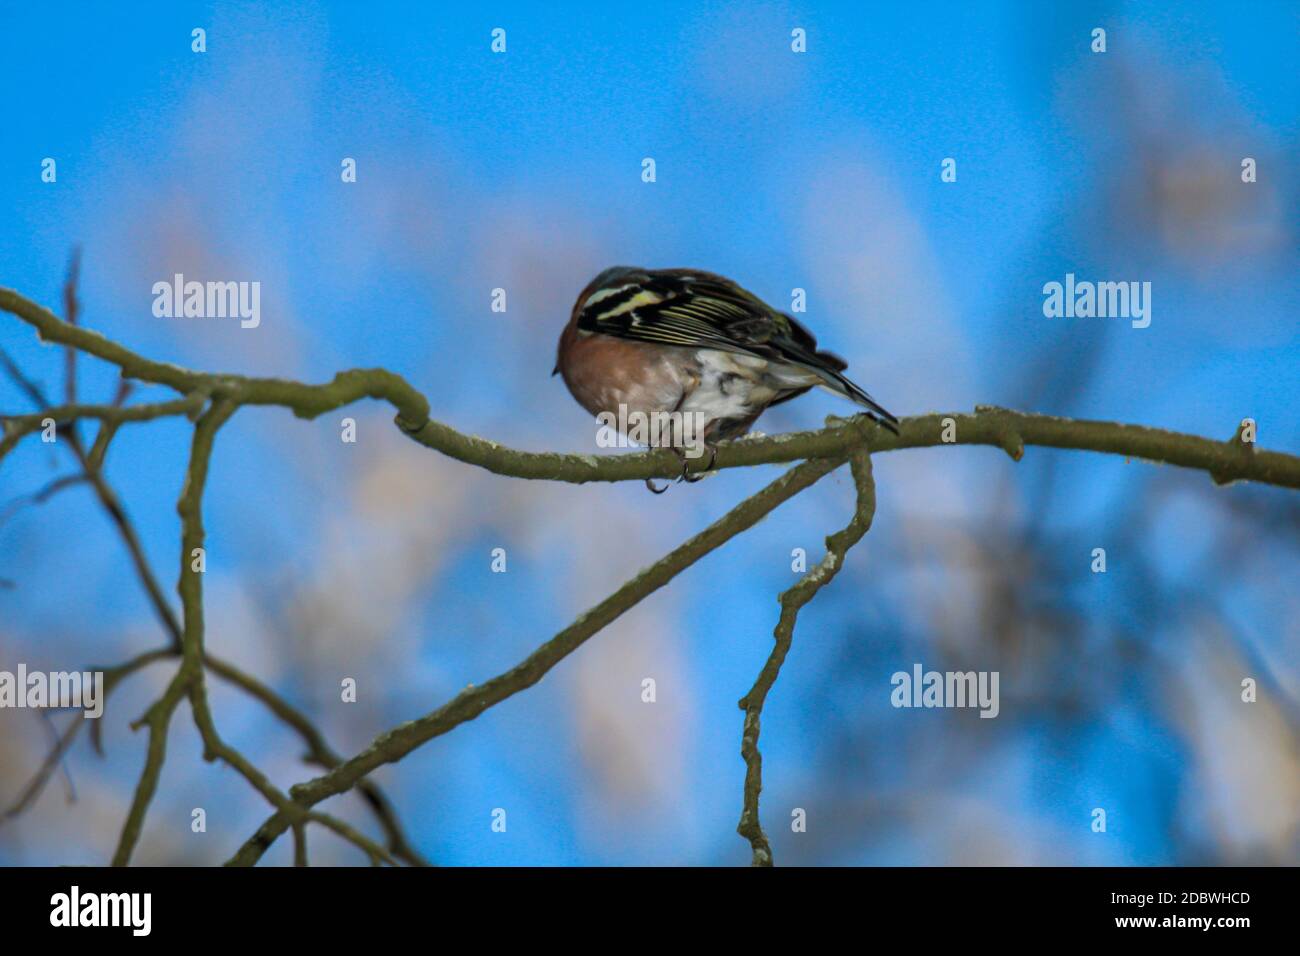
475,699
158,716
300,844
821,451
837,546
322,755
17,427
1000,428
70,313
112,677
41,495
319,751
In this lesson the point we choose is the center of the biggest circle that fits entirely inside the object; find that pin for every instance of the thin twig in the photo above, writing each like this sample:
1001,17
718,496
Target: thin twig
71,312
17,427
48,721
112,677
320,753
41,495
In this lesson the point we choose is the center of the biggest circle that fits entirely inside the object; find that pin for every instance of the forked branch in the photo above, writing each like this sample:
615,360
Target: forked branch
211,398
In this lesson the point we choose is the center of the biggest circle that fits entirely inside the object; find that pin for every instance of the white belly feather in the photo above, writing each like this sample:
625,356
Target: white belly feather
734,385
685,392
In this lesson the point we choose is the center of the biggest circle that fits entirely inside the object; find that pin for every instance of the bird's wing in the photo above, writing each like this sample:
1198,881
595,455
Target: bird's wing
683,307
702,310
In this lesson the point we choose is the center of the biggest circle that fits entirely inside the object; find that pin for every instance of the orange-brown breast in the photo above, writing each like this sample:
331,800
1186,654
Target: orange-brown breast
603,372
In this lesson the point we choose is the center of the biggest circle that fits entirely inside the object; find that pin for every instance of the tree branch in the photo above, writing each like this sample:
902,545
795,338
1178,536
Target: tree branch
472,701
792,600
17,427
112,677
821,451
1225,461
158,717
319,752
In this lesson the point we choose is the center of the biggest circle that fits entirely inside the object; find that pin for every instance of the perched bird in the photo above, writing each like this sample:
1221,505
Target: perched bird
646,342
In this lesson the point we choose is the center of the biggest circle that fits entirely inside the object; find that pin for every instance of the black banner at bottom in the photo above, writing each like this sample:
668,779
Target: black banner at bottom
338,905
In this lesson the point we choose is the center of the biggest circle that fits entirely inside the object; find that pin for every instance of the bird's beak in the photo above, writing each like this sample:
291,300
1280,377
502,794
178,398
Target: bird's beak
555,371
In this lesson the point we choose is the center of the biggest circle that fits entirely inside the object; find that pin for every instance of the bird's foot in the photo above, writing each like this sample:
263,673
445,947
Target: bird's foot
686,475
691,479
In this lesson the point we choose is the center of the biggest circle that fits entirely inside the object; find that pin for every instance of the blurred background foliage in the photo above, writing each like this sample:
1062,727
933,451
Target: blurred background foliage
818,171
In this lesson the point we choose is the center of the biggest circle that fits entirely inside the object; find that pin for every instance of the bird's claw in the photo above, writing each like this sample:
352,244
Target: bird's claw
686,474
691,479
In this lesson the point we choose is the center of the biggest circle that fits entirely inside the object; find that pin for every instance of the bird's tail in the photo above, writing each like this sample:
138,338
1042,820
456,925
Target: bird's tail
829,367
801,349
841,384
